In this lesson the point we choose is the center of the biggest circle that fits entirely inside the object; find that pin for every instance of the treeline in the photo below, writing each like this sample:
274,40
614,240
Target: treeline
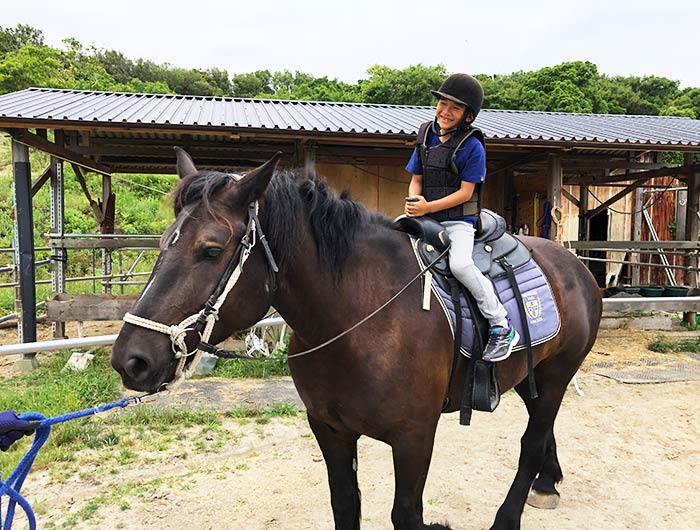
25,60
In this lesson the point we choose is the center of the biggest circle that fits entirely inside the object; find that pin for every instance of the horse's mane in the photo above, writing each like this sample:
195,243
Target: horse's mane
335,220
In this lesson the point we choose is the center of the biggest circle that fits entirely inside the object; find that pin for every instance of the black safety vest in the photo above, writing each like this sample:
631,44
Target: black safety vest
440,174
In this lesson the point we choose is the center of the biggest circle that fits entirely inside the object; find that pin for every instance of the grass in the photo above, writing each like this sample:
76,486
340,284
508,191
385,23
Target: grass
663,344
117,437
102,448
232,368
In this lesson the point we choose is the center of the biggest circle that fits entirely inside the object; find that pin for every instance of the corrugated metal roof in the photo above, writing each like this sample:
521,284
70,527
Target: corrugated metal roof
181,112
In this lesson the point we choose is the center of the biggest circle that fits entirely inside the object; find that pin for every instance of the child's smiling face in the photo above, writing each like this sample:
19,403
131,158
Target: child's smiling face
449,114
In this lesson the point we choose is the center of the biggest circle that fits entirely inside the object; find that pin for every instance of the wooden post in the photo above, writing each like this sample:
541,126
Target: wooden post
583,212
25,303
554,184
309,159
637,232
692,229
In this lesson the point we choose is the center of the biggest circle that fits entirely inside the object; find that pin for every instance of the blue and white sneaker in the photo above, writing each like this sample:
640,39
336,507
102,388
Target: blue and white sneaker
500,344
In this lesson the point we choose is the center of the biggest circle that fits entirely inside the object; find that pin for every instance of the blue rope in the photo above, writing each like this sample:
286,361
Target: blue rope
14,483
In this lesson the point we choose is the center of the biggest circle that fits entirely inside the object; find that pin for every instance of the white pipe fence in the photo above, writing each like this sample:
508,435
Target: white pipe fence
86,342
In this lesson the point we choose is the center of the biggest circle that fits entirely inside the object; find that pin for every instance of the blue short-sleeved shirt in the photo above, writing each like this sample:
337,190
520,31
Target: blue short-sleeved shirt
470,160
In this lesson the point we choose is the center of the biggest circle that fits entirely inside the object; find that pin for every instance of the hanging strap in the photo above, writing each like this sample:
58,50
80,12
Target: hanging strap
526,327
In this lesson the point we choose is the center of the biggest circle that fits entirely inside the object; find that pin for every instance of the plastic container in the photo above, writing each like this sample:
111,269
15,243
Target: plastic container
675,290
651,290
628,289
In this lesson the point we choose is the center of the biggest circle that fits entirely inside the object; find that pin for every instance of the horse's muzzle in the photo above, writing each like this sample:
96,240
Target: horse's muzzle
138,368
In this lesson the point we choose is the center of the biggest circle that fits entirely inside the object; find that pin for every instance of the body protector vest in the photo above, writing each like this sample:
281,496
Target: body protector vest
440,174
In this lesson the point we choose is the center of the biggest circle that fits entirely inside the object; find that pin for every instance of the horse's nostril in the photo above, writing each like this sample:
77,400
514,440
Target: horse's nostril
136,367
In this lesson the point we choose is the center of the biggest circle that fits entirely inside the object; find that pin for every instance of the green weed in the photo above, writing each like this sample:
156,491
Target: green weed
663,344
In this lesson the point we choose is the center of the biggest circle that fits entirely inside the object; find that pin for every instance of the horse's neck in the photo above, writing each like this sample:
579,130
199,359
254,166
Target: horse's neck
310,297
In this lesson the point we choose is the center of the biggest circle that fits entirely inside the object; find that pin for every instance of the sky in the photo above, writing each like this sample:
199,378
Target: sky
343,39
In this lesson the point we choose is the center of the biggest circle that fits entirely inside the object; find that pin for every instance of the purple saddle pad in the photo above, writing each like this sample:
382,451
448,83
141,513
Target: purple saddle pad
540,307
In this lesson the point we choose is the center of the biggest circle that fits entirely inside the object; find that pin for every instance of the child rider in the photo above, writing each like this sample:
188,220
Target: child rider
448,167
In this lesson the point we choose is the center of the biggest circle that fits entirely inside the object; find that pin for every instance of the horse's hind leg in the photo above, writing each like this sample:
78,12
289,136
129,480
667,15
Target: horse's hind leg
544,493
340,453
535,446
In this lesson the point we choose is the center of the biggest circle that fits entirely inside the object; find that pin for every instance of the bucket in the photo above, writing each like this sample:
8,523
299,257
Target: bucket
652,290
675,290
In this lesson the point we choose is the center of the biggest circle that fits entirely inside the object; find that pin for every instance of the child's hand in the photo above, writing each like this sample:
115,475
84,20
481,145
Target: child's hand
416,206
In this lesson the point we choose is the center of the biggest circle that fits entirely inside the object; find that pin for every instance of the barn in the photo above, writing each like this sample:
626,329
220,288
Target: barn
602,184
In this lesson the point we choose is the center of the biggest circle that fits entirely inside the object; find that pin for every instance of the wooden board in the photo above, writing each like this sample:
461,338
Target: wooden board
66,307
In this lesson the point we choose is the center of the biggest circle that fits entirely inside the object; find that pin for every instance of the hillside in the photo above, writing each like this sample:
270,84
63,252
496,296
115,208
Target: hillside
143,207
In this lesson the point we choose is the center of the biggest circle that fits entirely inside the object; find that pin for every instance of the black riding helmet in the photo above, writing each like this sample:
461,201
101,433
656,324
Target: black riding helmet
462,89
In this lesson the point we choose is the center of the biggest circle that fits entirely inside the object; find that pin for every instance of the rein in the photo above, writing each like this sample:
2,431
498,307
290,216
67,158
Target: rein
228,354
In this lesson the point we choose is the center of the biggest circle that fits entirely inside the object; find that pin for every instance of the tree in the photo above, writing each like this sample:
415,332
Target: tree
84,68
252,84
410,86
32,65
12,39
117,65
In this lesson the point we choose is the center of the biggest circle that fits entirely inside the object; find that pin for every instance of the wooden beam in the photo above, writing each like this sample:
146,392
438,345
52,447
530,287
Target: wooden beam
692,224
24,137
571,163
69,242
570,197
67,307
518,161
38,183
689,303
614,199
99,215
669,171
634,245
25,295
583,221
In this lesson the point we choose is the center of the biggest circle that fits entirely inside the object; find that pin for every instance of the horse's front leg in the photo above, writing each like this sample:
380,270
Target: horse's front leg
340,453
412,454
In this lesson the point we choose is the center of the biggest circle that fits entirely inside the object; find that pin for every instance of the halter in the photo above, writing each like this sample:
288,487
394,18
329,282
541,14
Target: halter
203,321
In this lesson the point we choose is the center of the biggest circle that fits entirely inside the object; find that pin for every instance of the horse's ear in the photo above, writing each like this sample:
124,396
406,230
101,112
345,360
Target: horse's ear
185,165
254,184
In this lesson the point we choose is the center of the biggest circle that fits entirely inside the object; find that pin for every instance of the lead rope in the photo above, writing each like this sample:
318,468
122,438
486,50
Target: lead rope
12,486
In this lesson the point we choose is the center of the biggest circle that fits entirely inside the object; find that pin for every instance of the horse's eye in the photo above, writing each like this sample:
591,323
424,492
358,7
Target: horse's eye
212,252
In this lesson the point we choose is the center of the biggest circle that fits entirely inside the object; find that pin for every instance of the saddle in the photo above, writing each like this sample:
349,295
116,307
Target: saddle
496,253
492,244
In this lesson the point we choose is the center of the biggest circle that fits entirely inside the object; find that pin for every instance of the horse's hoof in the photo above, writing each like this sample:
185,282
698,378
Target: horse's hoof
544,501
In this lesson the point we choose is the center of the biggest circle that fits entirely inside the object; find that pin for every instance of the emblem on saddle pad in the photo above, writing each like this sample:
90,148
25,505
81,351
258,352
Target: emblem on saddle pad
533,306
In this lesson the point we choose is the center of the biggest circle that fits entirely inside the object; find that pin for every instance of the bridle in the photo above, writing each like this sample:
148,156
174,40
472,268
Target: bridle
203,321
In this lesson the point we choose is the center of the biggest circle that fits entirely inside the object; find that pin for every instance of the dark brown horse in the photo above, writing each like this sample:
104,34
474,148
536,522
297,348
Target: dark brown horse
388,378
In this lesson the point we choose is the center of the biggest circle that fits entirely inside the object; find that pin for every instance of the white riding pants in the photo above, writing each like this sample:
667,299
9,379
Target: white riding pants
463,268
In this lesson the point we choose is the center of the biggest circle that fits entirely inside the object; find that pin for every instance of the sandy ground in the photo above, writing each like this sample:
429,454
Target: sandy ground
630,454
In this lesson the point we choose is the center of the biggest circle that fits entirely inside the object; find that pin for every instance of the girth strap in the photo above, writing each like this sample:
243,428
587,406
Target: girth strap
526,326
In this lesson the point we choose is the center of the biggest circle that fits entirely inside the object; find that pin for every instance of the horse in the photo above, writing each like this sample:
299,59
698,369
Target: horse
325,262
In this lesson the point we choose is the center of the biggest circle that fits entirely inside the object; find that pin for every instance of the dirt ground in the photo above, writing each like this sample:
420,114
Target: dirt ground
630,454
